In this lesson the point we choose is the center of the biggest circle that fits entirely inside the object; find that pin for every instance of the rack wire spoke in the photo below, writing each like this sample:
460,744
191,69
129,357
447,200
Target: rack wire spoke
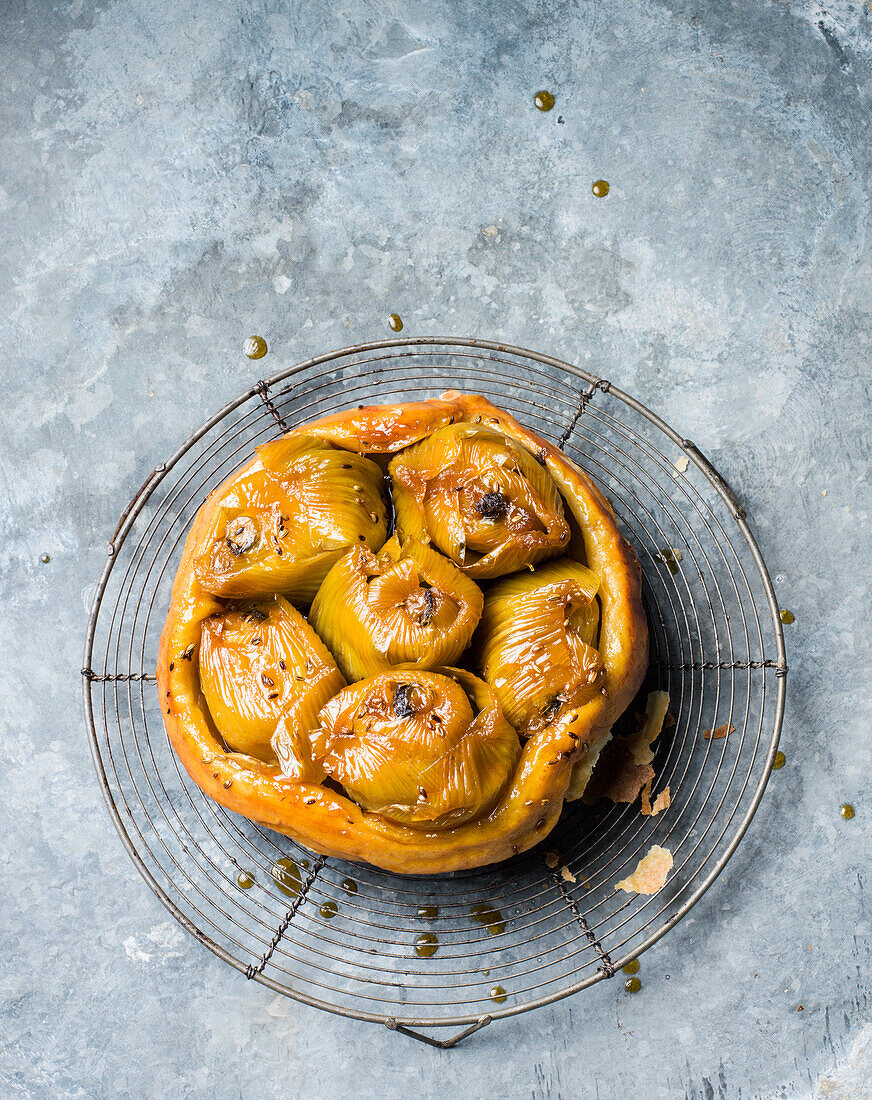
558,926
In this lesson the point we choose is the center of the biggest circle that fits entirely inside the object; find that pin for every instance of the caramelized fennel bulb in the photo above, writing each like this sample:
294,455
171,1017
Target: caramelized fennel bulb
283,524
407,605
263,669
537,643
480,498
429,749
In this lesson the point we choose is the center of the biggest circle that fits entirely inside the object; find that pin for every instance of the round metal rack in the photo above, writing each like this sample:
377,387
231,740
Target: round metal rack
717,648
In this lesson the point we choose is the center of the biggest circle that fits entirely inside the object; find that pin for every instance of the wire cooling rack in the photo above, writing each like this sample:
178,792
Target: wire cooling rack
716,646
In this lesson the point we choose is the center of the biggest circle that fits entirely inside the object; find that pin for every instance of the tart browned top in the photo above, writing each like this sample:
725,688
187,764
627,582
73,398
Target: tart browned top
401,634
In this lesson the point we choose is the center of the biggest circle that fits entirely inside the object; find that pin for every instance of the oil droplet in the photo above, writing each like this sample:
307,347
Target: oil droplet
779,761
255,347
329,910
426,945
632,985
847,811
395,322
498,994
45,558
428,912
632,967
490,917
600,188
544,101
349,886
244,880
486,973
286,875
304,863
787,616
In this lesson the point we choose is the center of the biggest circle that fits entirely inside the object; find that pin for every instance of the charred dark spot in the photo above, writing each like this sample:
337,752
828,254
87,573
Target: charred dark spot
429,608
551,709
254,615
402,704
492,505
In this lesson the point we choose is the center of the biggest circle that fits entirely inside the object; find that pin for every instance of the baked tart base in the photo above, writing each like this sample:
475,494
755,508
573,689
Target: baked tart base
497,798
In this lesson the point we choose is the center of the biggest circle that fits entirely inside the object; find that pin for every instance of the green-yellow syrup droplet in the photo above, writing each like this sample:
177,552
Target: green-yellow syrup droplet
498,994
492,918
787,616
632,967
544,101
426,945
329,910
779,761
395,322
244,881
669,559
286,875
632,985
847,811
255,347
600,188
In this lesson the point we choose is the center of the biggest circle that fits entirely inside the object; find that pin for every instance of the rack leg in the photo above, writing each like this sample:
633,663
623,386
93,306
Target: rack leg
442,1044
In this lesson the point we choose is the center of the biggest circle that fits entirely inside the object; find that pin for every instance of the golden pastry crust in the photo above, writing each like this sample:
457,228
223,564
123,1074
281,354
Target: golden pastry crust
324,820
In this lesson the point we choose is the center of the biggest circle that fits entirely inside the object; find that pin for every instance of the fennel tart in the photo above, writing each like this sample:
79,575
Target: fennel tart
423,695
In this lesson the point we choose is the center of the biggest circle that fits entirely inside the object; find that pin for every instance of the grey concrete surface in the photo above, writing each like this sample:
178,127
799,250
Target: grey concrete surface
174,177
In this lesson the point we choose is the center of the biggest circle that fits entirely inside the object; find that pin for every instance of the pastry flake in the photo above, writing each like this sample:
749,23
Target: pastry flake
651,872
624,768
719,732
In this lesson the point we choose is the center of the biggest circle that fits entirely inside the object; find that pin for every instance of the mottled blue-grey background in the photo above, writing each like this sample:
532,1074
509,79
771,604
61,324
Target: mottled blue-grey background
174,177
